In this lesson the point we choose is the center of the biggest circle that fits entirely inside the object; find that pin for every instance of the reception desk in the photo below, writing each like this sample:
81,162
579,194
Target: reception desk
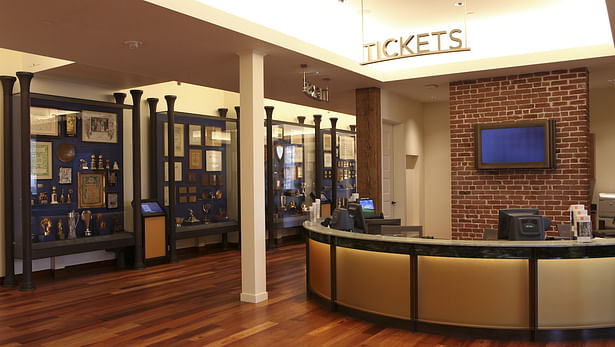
529,290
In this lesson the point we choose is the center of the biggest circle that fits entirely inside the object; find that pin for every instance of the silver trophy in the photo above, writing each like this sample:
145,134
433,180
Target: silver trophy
86,215
206,208
73,220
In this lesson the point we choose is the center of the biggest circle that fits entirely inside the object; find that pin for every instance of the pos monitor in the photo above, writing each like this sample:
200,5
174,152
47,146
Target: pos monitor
368,208
356,212
522,224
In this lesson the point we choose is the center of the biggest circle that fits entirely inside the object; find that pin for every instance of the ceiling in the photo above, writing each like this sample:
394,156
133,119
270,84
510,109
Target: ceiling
180,47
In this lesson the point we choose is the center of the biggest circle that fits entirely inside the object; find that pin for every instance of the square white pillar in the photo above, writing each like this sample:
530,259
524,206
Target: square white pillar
251,102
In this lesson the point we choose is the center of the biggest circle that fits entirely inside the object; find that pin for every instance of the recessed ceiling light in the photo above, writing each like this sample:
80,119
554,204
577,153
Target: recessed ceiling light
430,86
611,80
458,3
133,44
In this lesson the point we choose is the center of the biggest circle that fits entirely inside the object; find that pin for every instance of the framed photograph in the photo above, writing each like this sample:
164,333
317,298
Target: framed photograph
191,177
195,135
299,154
112,200
178,171
98,127
65,175
44,121
196,159
327,159
40,161
299,172
213,180
213,160
213,137
178,139
326,142
220,179
90,189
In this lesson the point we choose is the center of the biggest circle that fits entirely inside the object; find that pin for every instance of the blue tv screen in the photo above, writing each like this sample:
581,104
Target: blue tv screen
527,144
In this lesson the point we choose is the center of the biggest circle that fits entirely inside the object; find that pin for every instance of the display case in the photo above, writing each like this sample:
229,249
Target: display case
205,174
69,190
338,155
292,173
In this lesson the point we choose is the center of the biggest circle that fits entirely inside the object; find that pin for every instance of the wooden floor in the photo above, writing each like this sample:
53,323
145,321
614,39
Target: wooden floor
195,303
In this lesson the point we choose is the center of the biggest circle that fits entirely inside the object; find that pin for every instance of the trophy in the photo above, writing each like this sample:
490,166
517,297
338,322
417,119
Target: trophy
73,220
86,215
206,208
191,218
46,225
54,196
61,229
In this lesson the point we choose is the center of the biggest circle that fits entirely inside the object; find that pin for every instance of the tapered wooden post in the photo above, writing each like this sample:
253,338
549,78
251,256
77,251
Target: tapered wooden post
171,155
136,177
318,161
25,78
270,158
9,248
333,164
153,140
119,98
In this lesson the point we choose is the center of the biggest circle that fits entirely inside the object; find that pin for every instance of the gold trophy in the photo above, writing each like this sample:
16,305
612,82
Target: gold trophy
86,216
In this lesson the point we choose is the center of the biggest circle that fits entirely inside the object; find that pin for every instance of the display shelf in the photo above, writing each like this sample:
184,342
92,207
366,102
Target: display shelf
344,155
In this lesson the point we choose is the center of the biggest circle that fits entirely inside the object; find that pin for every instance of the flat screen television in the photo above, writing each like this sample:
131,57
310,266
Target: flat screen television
524,144
369,210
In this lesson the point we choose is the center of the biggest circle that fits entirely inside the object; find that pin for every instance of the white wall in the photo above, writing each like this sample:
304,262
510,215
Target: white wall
407,115
602,124
438,165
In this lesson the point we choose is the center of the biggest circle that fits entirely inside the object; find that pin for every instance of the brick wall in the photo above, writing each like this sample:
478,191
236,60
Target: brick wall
477,195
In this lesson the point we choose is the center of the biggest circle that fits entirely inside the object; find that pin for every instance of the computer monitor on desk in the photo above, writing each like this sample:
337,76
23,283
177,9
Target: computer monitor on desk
368,208
356,212
522,224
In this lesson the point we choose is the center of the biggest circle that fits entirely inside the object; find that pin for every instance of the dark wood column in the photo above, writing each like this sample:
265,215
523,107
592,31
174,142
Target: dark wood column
9,248
171,155
119,97
318,157
270,201
25,78
369,144
136,177
153,140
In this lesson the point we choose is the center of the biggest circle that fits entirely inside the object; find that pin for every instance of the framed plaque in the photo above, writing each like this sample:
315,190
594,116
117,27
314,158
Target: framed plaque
91,189
195,135
196,159
71,124
327,159
178,171
41,160
213,180
183,190
213,160
191,177
98,127
212,136
43,121
191,189
178,139
299,172
65,175
326,142
191,198
204,180
183,199
112,200
299,154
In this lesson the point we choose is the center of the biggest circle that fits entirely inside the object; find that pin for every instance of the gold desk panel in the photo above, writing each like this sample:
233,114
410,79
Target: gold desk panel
374,282
488,293
576,293
320,268
155,237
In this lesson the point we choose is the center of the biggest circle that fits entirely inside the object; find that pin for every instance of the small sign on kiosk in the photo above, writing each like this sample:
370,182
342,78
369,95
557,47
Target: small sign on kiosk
153,219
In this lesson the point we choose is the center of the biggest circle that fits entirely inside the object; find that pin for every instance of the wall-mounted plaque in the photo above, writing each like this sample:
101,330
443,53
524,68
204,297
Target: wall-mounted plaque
191,198
178,171
192,190
90,189
204,180
299,154
213,160
65,175
195,135
71,124
178,139
98,127
326,142
191,177
43,121
213,180
213,136
41,160
327,159
196,159
183,199
112,200
183,190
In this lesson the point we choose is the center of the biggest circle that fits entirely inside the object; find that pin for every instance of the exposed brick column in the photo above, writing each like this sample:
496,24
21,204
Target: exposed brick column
477,195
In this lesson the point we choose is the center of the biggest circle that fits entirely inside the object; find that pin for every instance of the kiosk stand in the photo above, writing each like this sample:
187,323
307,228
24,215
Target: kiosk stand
153,221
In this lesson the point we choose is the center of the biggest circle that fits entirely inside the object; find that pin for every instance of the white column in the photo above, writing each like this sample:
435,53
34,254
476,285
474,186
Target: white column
251,102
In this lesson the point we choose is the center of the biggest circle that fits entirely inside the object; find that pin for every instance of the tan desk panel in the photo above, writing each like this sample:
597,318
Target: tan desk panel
474,292
576,293
320,268
375,282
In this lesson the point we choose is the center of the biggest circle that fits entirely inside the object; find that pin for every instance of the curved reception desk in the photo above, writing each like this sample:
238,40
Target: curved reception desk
528,290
